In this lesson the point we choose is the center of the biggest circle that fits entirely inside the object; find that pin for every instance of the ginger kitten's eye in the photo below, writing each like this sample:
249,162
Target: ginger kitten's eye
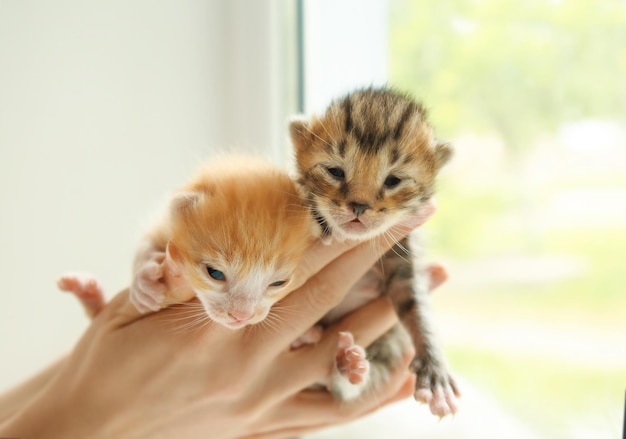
337,173
278,283
392,181
215,274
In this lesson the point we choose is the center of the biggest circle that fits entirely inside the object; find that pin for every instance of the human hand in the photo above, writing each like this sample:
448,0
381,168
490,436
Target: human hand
140,376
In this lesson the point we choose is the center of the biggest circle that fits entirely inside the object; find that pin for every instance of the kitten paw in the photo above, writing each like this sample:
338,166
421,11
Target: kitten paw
86,289
311,336
351,359
435,387
147,291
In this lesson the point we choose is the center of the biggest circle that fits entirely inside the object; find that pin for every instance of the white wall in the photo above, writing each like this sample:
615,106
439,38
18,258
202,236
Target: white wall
104,107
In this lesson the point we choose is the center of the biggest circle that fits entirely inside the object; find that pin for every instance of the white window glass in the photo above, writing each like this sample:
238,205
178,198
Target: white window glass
345,47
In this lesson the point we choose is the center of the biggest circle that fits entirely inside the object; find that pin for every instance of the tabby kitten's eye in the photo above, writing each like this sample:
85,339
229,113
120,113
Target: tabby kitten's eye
215,274
392,181
278,283
337,173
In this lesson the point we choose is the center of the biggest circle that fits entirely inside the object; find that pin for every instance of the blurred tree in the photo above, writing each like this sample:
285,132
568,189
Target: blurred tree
516,68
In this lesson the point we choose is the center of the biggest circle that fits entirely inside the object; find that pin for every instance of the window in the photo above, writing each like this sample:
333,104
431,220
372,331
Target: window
532,219
345,46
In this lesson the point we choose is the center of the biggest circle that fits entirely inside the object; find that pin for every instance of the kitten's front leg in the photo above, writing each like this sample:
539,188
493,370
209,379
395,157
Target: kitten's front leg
408,289
147,290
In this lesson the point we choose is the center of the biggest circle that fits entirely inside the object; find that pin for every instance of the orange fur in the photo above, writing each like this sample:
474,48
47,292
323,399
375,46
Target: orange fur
244,218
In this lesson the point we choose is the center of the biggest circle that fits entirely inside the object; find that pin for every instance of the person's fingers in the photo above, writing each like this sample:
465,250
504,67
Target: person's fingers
316,257
313,409
122,312
312,363
369,322
406,391
319,255
372,320
119,311
437,274
366,324
325,290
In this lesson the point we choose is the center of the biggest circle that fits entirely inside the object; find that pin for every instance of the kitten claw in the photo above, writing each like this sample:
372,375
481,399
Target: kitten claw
423,395
435,387
147,291
439,404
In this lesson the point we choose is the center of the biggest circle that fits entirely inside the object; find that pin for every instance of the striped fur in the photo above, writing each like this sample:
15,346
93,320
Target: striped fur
366,164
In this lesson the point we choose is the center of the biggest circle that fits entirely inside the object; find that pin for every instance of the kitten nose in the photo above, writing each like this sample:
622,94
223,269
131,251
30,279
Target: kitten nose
358,208
241,315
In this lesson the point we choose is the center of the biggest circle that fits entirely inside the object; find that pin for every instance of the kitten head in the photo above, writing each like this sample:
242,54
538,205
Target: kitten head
368,162
238,233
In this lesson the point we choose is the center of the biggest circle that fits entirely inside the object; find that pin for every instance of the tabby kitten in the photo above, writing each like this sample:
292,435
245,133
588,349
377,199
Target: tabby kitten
365,165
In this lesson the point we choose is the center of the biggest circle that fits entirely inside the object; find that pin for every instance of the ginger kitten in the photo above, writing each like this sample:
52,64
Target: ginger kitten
235,232
366,164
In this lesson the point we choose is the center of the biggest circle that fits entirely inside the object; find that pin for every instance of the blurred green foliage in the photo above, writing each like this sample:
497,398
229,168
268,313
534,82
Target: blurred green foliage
518,71
553,394
517,68
550,397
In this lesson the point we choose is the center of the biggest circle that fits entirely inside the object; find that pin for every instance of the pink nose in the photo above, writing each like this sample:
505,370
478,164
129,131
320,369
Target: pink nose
241,315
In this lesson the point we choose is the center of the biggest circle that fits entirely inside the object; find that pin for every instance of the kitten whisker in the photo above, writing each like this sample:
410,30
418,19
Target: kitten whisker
196,325
271,322
187,314
375,244
397,244
282,310
184,324
325,129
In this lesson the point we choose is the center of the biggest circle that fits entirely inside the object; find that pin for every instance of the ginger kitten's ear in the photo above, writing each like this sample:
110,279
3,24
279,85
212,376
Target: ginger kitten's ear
299,131
183,201
443,152
173,259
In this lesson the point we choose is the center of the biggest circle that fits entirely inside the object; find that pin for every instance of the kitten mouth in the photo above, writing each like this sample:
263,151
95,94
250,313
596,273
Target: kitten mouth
231,323
236,324
354,226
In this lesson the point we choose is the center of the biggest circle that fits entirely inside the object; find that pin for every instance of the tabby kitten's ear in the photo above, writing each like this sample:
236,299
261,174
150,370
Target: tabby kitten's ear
443,152
299,131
